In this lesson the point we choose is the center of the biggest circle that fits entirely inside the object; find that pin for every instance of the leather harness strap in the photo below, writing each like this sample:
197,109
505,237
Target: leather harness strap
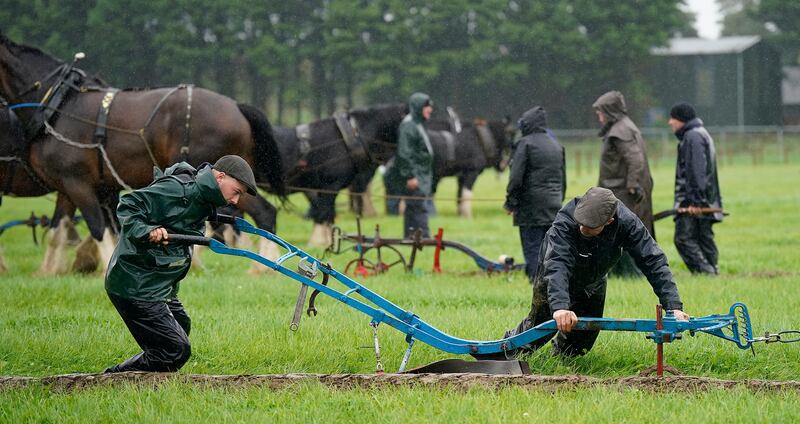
187,129
355,145
100,131
487,142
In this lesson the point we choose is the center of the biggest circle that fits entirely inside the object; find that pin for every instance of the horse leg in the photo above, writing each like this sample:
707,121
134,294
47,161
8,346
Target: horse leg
367,206
95,252
325,213
55,259
87,257
58,235
465,207
64,207
108,243
361,203
3,267
265,216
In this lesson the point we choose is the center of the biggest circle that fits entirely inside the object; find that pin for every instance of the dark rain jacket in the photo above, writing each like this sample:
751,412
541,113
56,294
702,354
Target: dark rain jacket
696,182
177,201
414,158
538,177
571,265
623,159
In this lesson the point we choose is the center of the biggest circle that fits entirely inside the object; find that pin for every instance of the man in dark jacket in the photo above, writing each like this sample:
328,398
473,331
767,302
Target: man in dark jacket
413,165
145,271
584,242
696,186
537,184
623,166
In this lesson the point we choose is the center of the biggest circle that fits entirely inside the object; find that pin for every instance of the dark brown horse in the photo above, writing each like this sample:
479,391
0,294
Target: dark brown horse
17,178
92,144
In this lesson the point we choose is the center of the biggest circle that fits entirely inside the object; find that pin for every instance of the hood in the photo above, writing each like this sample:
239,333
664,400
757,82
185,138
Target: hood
612,104
694,123
534,120
416,102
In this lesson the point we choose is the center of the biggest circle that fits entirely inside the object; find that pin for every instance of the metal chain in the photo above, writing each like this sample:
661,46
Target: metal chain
60,137
378,364
778,337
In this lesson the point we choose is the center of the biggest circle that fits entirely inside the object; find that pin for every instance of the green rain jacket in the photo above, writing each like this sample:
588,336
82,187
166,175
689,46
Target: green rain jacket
178,201
414,156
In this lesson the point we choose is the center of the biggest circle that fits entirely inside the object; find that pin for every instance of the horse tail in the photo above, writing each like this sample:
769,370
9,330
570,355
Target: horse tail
268,160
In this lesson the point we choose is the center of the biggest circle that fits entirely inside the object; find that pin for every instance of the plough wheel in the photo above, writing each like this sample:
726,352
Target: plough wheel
376,260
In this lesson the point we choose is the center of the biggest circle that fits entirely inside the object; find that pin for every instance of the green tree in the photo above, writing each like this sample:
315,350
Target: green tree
783,19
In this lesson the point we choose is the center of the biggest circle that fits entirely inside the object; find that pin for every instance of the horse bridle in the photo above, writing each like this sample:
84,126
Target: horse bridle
36,85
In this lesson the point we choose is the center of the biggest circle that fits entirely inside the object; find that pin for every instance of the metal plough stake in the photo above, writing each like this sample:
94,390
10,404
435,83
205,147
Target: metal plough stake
734,326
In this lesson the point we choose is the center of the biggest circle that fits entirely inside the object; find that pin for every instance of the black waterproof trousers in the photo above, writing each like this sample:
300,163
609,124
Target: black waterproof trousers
162,331
574,343
694,239
531,237
415,216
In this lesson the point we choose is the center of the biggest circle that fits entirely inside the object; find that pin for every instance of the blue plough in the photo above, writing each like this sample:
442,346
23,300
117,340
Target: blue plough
734,326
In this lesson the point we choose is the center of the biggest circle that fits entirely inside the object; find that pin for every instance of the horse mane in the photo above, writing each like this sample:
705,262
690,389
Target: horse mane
381,108
42,58
18,48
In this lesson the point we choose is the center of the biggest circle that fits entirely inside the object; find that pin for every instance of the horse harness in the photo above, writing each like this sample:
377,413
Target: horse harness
449,148
487,142
70,80
352,140
348,128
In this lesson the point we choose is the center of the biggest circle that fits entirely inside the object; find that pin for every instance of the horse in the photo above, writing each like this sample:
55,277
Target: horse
88,140
19,179
16,176
466,153
327,155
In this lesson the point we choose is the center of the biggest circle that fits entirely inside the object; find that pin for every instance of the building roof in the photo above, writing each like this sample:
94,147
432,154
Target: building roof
702,46
790,86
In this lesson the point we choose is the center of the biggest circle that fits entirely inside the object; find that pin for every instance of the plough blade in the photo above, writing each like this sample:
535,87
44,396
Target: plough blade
458,366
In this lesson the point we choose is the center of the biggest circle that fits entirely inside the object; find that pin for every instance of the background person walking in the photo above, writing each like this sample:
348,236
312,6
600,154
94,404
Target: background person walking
624,168
696,186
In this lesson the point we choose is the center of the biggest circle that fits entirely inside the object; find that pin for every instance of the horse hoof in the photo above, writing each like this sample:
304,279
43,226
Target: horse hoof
87,257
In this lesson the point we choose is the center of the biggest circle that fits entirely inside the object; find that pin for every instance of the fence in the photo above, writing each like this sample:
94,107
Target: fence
757,145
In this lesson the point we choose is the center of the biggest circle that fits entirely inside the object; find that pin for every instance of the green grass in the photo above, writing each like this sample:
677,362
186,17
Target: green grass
66,324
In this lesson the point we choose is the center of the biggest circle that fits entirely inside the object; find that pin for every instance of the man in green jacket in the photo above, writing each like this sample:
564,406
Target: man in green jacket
412,172
145,271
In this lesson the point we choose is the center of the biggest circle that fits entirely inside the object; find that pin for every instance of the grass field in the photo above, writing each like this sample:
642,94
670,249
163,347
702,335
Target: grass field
66,324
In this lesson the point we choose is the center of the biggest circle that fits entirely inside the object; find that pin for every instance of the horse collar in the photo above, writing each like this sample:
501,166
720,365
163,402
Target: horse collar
348,127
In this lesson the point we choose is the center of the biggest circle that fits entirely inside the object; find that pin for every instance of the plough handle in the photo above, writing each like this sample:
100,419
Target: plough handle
184,239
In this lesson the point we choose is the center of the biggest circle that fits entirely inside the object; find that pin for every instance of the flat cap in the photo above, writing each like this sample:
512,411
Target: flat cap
596,207
237,168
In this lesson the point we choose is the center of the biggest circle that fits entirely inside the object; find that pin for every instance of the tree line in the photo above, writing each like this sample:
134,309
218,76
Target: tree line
304,59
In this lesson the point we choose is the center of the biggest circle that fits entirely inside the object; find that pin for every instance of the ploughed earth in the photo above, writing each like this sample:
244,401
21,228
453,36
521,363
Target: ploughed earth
680,383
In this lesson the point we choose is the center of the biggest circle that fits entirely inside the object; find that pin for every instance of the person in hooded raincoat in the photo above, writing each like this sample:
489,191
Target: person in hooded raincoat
696,186
412,172
145,270
536,185
624,168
